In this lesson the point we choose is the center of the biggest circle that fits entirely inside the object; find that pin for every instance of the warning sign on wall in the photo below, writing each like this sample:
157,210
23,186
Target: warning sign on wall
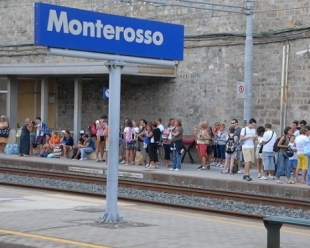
241,90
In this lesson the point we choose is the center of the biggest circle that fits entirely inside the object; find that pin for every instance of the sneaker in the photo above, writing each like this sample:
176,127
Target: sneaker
203,168
221,166
248,178
82,159
176,169
239,172
263,178
199,168
213,164
259,175
271,177
147,166
123,162
171,169
182,151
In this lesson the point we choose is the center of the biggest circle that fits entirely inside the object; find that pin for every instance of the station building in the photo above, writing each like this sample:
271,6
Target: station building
68,92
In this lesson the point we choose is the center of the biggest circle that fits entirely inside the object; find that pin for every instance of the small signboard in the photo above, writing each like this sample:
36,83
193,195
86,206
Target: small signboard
106,93
241,90
76,29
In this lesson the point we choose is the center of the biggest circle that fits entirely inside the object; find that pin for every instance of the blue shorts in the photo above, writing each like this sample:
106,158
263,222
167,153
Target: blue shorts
293,163
130,146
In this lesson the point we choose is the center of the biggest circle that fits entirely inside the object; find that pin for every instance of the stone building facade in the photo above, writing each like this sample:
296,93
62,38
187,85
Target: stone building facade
205,84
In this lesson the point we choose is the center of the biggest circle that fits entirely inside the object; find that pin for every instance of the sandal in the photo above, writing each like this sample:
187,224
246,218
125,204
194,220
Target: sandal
279,182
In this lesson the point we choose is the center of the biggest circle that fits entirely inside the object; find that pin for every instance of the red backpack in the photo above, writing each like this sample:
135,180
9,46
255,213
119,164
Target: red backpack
92,130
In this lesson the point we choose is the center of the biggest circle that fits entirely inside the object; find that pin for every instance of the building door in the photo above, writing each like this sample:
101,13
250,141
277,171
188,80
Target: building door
29,101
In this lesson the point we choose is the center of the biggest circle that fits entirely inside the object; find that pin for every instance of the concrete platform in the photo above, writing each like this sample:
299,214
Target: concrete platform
188,175
37,219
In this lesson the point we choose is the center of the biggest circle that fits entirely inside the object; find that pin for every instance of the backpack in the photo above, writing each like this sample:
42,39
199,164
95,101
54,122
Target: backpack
275,145
131,136
235,167
92,130
45,128
230,146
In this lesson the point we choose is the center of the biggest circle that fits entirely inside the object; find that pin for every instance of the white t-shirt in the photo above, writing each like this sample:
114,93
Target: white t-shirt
249,132
301,142
269,146
161,127
292,146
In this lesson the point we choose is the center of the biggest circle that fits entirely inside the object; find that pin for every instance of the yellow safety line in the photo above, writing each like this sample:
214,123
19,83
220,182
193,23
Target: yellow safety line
198,218
58,240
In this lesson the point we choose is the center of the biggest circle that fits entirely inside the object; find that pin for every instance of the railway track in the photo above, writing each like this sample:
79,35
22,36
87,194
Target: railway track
161,188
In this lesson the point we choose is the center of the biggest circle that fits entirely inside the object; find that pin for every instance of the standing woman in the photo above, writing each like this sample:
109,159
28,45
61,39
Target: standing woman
100,138
283,160
153,145
167,141
129,147
122,149
24,147
259,157
220,145
3,140
202,139
177,144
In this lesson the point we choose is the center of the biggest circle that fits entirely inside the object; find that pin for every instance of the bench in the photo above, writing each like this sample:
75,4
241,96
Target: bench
273,225
190,142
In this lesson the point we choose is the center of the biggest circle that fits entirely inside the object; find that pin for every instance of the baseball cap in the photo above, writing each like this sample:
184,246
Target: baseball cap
82,132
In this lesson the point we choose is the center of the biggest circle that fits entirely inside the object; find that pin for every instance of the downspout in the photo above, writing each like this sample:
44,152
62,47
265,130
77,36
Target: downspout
286,84
282,89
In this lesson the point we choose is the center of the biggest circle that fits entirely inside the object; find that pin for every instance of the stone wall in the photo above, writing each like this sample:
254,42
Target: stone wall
205,88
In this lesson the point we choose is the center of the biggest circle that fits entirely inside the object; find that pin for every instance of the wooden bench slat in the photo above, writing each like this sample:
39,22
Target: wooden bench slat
288,220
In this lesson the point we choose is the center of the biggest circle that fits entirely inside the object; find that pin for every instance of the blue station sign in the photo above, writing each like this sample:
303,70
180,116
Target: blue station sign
76,29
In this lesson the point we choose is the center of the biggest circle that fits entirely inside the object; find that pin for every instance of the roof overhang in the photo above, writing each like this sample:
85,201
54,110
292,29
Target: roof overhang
83,69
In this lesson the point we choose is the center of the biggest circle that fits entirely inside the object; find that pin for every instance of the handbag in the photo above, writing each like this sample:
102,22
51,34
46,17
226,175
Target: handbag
5,132
289,152
261,148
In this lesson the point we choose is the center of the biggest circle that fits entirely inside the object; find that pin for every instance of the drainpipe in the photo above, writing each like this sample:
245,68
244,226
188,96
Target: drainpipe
282,90
286,84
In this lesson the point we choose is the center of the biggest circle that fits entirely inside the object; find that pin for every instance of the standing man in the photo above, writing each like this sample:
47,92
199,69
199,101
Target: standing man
161,128
42,129
248,137
269,139
234,124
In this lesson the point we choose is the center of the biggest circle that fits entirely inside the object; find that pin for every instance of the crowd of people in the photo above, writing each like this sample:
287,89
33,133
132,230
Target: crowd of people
275,156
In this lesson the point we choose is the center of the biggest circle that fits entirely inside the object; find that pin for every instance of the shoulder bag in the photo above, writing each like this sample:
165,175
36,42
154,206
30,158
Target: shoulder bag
5,132
261,148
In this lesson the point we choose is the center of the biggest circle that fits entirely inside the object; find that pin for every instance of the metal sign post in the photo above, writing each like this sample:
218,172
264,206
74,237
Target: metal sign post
115,67
117,39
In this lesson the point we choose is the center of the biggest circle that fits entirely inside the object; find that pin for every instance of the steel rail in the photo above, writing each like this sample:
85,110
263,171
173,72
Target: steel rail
164,188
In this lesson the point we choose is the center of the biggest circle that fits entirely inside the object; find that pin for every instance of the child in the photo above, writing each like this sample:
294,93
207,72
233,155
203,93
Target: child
259,159
293,159
230,158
